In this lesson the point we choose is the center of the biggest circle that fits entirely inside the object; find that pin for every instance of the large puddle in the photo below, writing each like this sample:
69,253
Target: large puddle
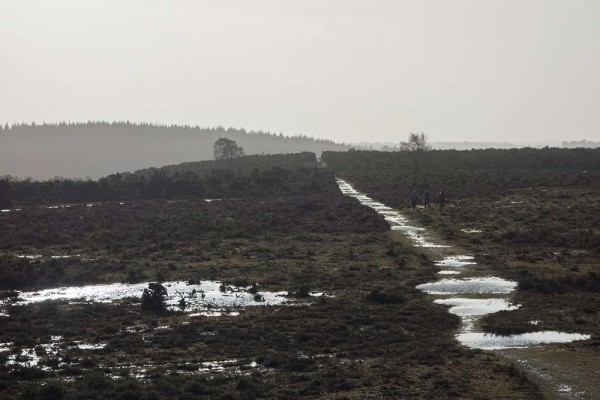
488,341
489,285
468,297
211,298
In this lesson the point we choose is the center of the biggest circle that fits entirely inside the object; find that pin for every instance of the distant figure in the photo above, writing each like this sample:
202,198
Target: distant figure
426,199
414,199
441,199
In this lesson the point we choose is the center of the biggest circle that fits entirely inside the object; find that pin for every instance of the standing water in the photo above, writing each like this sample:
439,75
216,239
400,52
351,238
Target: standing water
207,298
470,298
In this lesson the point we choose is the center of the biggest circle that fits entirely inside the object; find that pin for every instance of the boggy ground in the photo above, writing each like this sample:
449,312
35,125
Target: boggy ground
376,337
546,239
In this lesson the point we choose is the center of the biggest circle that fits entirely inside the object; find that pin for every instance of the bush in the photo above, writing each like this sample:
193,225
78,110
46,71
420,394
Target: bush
379,296
301,291
154,298
587,283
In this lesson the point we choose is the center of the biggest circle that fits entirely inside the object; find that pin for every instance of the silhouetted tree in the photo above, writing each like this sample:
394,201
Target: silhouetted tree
415,142
224,149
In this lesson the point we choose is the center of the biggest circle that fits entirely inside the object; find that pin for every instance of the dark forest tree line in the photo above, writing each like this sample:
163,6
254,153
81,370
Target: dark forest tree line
84,128
254,176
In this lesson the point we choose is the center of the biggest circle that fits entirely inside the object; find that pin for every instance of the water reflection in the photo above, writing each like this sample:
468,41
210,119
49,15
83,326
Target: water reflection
206,297
468,298
456,261
489,285
471,309
486,341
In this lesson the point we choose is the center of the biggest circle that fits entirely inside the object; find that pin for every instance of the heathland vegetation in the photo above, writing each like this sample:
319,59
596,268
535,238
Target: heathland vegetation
530,215
256,176
392,176
371,335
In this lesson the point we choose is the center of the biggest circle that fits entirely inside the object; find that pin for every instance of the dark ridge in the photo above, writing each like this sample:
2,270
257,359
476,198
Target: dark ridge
248,176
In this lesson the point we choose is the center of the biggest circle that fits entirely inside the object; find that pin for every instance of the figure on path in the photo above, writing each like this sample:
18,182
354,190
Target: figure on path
426,199
441,200
414,199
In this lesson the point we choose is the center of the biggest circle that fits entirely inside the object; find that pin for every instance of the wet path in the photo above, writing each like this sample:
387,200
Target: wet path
469,294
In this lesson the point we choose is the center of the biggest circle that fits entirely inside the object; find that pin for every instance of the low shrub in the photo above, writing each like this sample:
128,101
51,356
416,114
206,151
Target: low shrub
380,296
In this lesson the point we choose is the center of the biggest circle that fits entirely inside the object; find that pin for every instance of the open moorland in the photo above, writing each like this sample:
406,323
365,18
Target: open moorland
349,323
530,216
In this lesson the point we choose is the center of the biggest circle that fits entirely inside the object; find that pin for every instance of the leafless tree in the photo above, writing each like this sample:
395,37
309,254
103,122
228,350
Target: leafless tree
415,142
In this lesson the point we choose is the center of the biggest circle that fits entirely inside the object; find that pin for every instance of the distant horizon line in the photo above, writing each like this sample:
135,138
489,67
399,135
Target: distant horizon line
13,125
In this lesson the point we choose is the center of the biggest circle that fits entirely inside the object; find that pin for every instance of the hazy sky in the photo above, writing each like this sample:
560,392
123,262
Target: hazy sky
349,70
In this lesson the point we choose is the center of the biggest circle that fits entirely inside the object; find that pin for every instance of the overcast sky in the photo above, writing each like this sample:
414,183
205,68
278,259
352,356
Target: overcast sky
349,70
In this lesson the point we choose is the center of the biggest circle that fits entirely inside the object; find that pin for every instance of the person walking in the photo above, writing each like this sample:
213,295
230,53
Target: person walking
441,200
426,199
414,199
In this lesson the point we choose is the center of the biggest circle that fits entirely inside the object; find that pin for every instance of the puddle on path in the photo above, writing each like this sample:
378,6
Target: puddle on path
487,341
468,298
394,218
456,261
210,298
471,309
489,285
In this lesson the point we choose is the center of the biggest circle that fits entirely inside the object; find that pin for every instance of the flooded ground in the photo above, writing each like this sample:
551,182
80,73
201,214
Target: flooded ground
468,297
486,341
35,356
51,355
207,298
